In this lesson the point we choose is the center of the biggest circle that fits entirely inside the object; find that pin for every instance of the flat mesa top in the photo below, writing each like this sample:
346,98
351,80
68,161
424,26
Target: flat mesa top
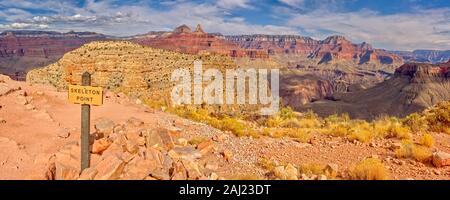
85,95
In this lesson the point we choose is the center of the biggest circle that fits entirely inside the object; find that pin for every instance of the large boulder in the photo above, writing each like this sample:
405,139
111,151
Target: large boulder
441,159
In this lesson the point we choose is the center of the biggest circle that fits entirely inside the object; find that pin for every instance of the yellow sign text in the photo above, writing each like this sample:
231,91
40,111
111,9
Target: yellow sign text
85,95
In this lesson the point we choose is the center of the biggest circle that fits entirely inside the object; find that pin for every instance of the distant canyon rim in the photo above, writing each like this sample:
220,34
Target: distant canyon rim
313,72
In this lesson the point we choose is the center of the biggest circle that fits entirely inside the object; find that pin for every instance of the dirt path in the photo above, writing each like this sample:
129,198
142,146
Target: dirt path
37,127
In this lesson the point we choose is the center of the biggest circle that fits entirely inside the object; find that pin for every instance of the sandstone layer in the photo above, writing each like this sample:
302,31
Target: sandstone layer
21,51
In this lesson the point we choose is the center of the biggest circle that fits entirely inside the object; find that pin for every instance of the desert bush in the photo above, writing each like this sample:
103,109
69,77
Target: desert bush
274,122
312,168
409,150
338,130
369,169
438,117
397,130
361,132
381,127
309,122
267,164
416,122
427,140
197,140
287,113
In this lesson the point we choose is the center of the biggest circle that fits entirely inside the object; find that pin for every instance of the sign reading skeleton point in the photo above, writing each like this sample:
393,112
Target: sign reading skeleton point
86,95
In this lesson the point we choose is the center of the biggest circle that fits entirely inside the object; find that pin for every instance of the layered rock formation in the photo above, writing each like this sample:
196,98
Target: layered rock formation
24,50
426,56
184,40
413,88
332,49
300,87
123,66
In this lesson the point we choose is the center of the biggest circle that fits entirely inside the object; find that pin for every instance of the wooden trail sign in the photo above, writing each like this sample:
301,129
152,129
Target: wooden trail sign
85,95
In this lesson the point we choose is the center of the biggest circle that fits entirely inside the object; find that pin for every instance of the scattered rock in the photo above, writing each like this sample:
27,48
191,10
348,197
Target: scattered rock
227,154
213,176
5,89
205,147
159,138
182,141
286,173
332,169
179,172
138,169
22,100
192,169
135,122
100,145
322,177
109,169
30,107
67,163
63,133
395,146
88,174
104,126
441,159
187,153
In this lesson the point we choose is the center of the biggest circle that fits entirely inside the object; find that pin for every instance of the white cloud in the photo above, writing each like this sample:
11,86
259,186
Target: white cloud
125,20
404,31
23,26
293,3
229,4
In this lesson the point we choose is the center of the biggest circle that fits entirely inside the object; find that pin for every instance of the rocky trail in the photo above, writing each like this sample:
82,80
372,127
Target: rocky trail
39,139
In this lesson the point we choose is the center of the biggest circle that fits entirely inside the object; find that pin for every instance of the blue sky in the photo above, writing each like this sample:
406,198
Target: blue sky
389,24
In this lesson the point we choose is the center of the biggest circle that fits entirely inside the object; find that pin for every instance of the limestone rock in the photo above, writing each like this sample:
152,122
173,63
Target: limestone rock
135,122
159,138
88,174
206,147
104,126
100,145
441,159
109,169
138,169
67,163
63,133
288,172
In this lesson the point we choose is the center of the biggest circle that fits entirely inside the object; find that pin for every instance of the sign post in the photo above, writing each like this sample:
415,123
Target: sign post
85,125
86,95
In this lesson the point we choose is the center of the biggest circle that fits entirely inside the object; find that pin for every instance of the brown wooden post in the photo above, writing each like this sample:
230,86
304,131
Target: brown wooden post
85,125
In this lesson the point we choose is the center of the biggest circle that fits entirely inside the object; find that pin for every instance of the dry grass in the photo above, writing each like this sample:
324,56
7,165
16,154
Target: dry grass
267,164
197,140
369,169
300,126
416,152
312,168
427,140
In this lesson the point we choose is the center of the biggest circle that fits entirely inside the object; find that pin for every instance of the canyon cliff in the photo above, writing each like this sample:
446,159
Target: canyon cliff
21,51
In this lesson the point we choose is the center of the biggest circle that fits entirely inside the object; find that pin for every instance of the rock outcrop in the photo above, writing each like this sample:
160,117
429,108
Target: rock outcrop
138,152
125,67
414,87
21,51
425,56
331,50
184,40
